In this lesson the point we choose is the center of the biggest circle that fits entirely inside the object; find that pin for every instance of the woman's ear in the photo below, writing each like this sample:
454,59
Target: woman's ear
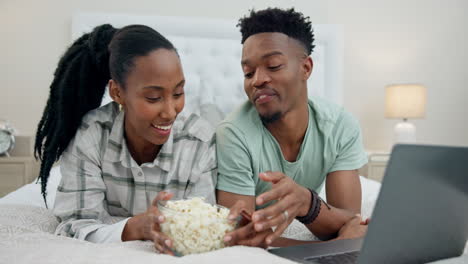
115,92
307,66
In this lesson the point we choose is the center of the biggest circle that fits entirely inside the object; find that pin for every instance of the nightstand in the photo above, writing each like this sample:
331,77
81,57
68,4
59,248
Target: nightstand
20,168
375,168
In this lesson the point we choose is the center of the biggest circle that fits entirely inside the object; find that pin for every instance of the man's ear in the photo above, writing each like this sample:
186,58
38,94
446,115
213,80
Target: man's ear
115,92
307,66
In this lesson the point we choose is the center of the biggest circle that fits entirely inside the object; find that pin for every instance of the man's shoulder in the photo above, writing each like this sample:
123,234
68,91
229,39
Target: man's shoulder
333,119
325,111
244,119
331,116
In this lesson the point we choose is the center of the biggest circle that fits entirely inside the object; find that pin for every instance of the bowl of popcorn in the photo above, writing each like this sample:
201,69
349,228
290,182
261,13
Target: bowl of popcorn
194,225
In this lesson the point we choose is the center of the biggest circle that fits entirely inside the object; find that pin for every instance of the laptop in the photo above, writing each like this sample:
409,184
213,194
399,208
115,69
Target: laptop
421,214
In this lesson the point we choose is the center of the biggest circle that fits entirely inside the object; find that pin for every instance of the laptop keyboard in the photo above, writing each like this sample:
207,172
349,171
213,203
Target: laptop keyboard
349,257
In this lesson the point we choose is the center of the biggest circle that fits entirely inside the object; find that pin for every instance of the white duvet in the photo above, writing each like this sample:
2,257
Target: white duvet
26,236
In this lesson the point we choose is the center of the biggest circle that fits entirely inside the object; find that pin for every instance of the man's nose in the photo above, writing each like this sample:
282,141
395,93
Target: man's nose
260,78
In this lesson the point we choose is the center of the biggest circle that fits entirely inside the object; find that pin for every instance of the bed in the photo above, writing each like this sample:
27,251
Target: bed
210,51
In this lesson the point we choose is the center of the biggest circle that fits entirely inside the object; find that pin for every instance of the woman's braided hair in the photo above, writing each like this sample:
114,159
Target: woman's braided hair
80,80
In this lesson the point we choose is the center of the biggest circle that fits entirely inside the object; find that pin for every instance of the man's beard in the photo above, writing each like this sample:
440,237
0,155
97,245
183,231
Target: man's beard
268,119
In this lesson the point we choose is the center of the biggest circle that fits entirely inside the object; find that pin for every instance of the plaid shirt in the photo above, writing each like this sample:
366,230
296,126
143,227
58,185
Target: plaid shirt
101,181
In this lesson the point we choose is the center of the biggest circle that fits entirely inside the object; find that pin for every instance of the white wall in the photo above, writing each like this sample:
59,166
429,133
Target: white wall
386,42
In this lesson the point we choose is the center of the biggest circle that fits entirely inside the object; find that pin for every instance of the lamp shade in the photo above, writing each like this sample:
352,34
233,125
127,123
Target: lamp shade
405,101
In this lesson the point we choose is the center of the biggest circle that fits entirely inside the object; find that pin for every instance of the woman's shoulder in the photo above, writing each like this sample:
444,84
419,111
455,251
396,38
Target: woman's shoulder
193,126
103,115
95,126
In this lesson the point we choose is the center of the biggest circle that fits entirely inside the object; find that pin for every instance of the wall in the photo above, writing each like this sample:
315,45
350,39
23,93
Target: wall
385,42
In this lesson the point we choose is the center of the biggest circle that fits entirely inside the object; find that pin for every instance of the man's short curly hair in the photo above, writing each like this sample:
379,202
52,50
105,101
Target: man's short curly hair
289,22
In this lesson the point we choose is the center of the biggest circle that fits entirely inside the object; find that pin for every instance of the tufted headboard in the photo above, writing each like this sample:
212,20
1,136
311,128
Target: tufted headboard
210,51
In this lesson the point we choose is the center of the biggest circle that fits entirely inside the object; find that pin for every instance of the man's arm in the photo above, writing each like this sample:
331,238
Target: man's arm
343,186
292,198
343,190
228,199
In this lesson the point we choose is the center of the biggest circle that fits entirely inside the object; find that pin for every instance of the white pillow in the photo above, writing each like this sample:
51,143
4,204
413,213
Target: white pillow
211,113
370,192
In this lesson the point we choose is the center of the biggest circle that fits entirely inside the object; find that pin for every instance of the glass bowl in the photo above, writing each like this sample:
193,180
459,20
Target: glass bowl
194,225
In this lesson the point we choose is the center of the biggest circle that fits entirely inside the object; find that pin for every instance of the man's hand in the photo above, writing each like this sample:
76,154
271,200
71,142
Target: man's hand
245,234
292,200
354,228
146,226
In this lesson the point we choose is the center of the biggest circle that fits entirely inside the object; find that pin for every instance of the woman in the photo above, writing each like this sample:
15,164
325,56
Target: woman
121,158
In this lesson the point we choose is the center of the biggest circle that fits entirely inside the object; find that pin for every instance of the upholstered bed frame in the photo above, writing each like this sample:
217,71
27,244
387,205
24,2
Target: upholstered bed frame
210,50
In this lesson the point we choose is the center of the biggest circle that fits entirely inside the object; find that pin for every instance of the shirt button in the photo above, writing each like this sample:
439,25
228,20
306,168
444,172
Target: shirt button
140,174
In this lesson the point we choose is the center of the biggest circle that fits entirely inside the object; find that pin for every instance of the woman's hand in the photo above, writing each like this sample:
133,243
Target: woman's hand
146,226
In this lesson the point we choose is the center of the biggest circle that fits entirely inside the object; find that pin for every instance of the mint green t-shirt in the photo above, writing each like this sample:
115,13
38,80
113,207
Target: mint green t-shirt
246,148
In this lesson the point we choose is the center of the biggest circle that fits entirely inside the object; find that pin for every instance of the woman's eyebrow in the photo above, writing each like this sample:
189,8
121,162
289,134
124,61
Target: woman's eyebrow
159,88
154,87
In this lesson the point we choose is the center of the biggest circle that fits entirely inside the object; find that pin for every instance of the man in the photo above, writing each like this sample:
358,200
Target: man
276,150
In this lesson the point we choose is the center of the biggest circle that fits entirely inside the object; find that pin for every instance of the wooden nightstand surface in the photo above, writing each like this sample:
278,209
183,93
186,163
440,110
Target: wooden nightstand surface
375,168
20,168
16,172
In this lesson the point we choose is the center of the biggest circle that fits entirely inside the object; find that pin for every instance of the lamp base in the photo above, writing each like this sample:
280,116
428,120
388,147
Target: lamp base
405,132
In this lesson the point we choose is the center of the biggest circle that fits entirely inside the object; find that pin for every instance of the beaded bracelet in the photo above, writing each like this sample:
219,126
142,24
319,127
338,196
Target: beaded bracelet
314,210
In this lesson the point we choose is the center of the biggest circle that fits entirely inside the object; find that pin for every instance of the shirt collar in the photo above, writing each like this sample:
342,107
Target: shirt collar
121,153
165,155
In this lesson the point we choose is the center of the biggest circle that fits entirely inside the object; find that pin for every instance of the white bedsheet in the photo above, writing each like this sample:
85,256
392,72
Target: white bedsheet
26,229
26,237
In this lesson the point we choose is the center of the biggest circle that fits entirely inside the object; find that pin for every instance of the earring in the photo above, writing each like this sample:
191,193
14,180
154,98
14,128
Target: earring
120,108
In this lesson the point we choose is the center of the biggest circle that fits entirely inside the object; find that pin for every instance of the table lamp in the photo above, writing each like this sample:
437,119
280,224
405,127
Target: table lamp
404,101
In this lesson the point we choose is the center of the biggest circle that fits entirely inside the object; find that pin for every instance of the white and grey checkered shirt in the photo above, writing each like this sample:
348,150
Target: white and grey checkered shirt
101,180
